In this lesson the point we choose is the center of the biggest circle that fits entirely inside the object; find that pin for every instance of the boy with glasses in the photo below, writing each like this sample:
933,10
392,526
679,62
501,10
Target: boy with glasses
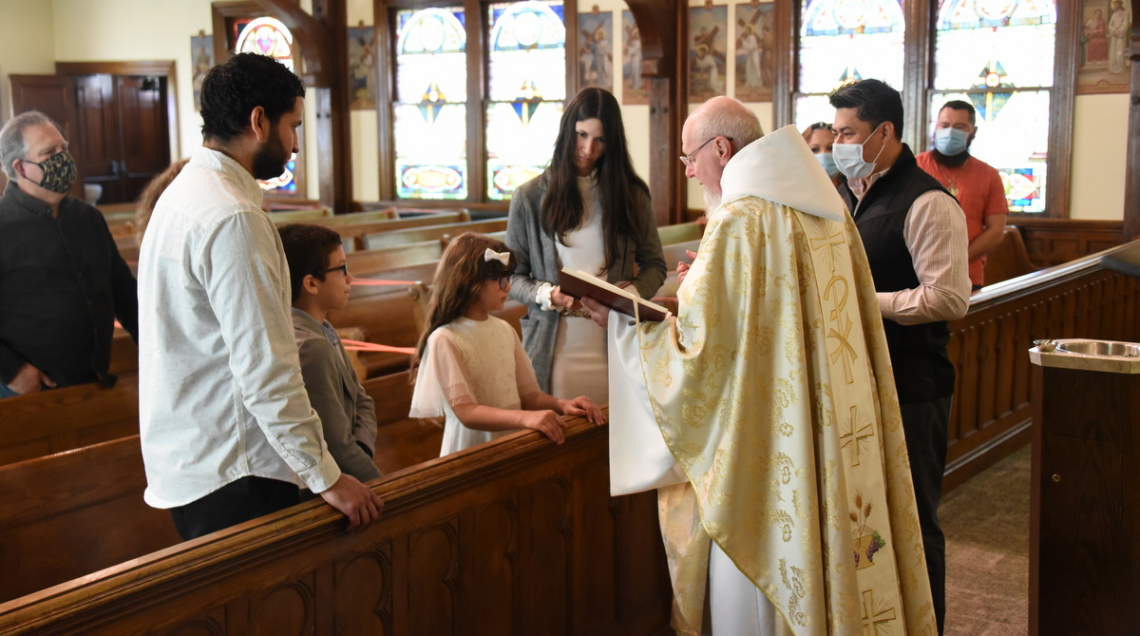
321,283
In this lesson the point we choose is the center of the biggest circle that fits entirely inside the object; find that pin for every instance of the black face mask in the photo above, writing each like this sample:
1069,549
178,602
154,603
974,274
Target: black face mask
59,172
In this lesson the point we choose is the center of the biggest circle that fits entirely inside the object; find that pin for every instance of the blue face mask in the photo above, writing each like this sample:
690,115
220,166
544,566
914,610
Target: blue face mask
826,160
951,141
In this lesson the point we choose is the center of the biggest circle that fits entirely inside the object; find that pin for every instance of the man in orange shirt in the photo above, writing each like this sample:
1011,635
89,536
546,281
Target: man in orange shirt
975,184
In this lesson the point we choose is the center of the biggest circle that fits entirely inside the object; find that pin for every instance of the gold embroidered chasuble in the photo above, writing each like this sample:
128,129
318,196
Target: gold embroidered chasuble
773,391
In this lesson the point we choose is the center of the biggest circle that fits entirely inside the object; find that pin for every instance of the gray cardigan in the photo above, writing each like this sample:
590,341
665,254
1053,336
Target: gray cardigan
347,413
538,262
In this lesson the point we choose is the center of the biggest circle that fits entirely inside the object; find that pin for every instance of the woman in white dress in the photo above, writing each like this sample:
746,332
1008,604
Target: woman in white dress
591,212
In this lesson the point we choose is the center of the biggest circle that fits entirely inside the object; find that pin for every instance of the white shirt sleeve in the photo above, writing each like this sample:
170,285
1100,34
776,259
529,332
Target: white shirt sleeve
935,235
241,273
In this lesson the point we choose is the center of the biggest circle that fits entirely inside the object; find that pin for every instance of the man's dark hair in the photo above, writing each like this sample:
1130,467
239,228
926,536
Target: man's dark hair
233,89
307,248
875,102
957,104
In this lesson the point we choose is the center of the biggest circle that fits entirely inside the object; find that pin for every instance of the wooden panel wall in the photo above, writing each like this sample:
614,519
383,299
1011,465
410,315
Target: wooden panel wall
518,537
989,347
1056,241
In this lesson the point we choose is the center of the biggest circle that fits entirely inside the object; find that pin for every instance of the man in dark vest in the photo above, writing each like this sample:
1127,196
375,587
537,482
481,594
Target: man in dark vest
914,233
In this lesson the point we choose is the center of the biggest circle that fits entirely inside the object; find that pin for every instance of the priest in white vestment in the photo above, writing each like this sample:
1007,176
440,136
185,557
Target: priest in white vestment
765,412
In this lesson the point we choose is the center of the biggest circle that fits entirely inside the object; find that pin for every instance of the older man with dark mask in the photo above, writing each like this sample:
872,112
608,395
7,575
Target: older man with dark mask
61,276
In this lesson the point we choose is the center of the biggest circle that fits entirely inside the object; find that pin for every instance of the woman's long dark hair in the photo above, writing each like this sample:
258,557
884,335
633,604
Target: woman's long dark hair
562,206
458,277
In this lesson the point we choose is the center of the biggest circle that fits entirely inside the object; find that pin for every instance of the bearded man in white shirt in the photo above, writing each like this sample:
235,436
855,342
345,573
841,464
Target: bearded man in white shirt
764,412
227,430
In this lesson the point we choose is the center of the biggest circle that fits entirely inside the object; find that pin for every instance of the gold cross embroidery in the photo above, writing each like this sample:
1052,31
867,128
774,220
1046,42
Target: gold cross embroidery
833,242
875,615
855,435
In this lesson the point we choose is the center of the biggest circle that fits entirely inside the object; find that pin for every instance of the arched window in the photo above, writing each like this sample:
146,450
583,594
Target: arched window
526,85
842,41
998,55
430,113
268,36
465,138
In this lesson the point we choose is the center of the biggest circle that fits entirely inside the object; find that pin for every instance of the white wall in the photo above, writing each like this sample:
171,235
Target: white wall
1100,150
27,44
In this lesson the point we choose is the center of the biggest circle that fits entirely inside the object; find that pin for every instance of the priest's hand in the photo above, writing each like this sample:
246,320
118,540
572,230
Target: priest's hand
583,405
355,500
683,267
562,301
599,312
546,422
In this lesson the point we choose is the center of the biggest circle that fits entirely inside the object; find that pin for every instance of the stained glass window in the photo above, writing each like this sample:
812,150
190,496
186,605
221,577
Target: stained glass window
526,87
843,41
268,36
998,56
430,127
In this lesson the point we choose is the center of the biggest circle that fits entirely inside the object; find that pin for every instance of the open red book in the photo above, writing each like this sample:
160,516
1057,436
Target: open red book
579,284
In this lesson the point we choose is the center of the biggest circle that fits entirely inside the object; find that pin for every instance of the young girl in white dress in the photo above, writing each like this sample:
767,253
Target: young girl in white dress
470,366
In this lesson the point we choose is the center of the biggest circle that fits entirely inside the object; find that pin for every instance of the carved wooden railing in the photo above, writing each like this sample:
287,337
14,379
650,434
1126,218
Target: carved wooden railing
516,537
989,347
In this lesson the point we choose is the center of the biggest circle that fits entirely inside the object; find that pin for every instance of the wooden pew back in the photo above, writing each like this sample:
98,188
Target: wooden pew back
516,537
66,419
439,232
71,514
1009,259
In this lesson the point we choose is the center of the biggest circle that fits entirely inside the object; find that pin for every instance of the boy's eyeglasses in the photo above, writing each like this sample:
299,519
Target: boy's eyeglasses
343,269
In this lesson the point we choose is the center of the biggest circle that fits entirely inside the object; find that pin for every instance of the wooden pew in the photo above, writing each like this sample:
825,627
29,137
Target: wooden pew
66,419
518,536
316,215
370,261
1009,259
71,514
991,413
353,228
440,232
401,442
681,233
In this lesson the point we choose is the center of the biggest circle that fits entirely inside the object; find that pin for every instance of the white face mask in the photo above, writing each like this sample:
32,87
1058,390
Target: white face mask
849,158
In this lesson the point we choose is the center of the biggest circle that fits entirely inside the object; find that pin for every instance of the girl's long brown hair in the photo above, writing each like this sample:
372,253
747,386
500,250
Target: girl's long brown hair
456,285
562,205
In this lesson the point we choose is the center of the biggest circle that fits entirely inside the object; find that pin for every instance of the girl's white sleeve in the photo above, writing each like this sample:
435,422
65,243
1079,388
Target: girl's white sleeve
441,379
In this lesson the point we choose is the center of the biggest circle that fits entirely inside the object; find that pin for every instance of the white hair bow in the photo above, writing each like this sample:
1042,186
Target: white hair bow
502,257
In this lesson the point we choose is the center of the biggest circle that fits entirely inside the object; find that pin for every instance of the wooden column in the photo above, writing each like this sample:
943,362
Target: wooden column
1132,180
918,54
661,22
322,40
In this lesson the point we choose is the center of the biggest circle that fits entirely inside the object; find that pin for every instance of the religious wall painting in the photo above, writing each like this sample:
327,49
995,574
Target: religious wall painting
708,46
202,60
596,49
1102,61
634,87
755,52
361,68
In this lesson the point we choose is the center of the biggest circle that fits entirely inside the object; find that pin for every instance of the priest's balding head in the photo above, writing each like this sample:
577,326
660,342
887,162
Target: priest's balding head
712,135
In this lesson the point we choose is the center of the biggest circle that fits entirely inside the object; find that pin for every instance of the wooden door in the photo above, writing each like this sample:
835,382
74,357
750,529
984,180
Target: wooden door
54,96
98,150
144,131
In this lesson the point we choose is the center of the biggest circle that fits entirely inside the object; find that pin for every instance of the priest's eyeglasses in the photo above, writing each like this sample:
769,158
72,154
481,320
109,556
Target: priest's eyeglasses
688,159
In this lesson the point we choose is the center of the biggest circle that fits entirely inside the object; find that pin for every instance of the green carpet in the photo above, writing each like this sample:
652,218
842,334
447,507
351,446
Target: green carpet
986,521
